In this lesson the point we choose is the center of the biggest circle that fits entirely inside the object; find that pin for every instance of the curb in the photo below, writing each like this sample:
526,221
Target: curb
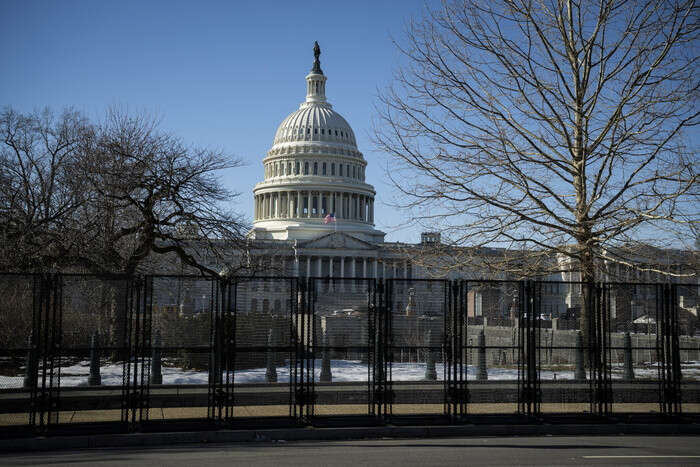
334,434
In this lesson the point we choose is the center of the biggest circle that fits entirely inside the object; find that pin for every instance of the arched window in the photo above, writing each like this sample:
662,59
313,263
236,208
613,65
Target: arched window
296,168
306,168
324,168
289,168
340,169
333,168
353,172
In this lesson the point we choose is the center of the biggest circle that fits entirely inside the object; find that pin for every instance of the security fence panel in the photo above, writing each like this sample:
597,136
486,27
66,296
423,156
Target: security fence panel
686,298
268,328
563,374
179,359
417,313
18,351
92,347
342,348
494,340
634,338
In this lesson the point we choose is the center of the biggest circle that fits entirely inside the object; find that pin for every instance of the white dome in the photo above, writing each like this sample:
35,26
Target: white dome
317,122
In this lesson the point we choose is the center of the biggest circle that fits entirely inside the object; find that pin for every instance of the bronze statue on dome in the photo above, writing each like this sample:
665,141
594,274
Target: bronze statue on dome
317,63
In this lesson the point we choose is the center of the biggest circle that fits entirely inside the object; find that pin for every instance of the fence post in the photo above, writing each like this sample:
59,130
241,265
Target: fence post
156,374
481,371
94,379
430,371
326,375
629,363
30,379
580,373
271,373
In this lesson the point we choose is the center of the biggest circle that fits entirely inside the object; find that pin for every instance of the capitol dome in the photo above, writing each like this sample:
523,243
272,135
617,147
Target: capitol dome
314,177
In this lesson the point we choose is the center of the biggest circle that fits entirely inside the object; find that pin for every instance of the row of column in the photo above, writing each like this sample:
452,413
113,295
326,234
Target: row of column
340,267
306,204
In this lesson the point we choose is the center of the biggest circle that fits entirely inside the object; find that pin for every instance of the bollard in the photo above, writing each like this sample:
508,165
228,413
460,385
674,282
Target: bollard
580,372
271,373
629,370
30,379
481,372
94,379
430,371
156,374
326,375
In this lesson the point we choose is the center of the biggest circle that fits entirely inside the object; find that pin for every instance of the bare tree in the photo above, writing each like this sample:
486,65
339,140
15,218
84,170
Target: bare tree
554,126
111,197
40,191
153,194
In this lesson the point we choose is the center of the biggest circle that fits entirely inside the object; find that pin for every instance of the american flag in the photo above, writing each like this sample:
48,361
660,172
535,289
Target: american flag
329,218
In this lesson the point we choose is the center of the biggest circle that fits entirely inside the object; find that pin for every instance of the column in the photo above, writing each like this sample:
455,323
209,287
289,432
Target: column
375,269
298,206
320,266
269,205
342,267
364,267
354,263
405,269
308,204
330,271
308,266
384,269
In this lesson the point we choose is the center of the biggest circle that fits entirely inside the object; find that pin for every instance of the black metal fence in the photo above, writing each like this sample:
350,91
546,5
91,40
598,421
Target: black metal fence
123,354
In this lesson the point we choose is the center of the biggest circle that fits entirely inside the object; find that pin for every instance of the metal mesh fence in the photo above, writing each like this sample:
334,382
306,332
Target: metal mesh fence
417,312
129,351
494,346
265,329
343,345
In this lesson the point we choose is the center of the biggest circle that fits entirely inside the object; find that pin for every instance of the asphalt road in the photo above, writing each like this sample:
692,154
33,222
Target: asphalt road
551,450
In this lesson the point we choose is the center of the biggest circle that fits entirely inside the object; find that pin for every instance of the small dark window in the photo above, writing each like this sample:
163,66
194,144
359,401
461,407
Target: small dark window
315,168
333,168
308,131
306,168
322,131
315,131
336,132
340,169
296,169
324,168
347,173
353,172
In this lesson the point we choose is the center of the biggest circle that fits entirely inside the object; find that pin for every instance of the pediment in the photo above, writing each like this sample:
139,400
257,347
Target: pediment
338,240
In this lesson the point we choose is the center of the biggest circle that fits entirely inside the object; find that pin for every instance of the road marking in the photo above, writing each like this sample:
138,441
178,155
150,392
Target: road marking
641,457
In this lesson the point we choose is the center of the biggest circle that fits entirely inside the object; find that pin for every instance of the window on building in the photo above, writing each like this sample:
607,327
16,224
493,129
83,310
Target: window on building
333,168
306,168
315,168
340,169
353,172
324,168
296,168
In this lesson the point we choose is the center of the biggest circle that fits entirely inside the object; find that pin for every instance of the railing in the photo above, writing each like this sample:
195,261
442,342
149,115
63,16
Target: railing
124,354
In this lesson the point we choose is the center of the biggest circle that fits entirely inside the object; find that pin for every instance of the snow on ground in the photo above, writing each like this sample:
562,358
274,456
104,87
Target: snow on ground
342,371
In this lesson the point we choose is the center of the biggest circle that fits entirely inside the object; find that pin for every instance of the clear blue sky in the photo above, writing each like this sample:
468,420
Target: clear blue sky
221,74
